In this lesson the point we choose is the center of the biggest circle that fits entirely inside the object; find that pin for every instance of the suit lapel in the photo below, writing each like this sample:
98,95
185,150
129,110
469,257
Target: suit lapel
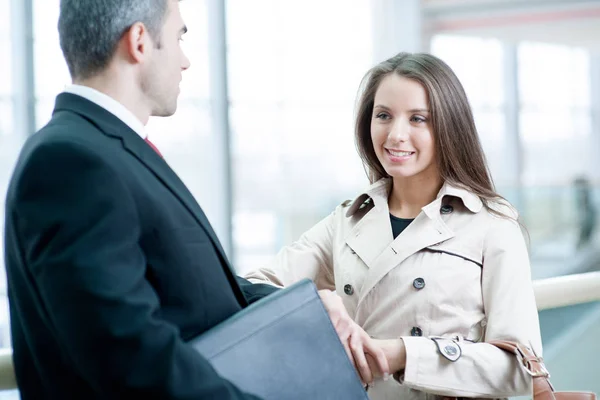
159,167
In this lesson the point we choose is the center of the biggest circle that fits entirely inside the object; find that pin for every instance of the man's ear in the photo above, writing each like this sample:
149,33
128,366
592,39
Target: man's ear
138,42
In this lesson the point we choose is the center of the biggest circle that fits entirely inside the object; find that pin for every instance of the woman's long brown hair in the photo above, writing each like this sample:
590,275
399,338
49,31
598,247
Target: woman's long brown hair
459,155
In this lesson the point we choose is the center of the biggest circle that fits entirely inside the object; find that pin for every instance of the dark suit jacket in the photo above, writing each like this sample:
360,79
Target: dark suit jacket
112,266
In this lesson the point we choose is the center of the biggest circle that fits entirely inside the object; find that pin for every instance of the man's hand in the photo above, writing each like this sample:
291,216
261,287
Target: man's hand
355,340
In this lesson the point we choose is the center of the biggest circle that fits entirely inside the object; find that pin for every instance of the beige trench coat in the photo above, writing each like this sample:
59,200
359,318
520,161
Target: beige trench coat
457,271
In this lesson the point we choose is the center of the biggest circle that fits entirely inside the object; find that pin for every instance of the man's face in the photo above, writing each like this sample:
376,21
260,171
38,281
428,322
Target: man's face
164,71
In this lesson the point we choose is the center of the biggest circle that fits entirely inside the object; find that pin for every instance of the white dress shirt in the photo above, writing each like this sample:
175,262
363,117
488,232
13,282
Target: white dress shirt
111,105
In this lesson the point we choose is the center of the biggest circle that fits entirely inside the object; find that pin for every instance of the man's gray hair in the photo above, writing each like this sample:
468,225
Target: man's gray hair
90,30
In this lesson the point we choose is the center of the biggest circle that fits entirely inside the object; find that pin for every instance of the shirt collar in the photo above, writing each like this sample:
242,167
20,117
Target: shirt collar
379,191
111,105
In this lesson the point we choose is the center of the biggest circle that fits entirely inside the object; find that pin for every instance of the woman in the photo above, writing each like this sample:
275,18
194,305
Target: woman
430,260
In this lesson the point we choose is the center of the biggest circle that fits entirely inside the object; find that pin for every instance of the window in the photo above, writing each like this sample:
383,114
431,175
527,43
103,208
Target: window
50,69
555,112
558,147
6,90
292,94
9,143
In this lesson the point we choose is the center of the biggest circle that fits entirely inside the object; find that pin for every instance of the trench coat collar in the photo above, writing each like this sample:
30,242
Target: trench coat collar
378,193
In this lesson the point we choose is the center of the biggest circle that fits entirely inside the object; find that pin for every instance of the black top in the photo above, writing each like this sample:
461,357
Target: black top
399,224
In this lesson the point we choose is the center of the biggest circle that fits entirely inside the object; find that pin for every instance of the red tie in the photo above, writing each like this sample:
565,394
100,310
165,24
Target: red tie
153,147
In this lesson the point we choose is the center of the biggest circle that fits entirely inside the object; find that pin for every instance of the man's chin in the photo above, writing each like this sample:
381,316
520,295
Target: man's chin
165,112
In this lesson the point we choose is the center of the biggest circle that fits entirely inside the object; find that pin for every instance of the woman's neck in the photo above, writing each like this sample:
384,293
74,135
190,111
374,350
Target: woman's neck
409,195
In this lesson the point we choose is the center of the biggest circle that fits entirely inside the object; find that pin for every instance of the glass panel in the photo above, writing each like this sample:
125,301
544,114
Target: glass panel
50,69
478,63
5,66
6,87
6,116
559,174
5,24
292,102
9,147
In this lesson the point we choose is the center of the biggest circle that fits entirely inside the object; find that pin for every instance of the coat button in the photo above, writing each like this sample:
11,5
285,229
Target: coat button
416,331
450,350
349,290
446,209
419,283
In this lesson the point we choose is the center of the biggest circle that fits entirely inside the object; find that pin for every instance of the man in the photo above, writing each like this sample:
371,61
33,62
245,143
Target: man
112,265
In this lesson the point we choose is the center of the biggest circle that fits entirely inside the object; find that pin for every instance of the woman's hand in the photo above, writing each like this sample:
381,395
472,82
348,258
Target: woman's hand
369,357
355,340
395,353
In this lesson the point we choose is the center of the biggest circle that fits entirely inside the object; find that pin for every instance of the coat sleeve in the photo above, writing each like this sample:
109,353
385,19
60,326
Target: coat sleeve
310,257
511,313
78,227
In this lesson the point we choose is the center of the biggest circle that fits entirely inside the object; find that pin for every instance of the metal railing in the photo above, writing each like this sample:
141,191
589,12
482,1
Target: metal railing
567,290
550,293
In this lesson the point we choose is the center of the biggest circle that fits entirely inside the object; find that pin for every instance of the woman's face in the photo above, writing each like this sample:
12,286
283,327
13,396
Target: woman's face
401,129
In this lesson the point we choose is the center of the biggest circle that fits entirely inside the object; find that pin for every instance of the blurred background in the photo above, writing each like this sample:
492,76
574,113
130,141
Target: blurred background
263,135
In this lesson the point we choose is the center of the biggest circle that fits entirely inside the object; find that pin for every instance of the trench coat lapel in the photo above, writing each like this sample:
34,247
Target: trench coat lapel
372,238
423,232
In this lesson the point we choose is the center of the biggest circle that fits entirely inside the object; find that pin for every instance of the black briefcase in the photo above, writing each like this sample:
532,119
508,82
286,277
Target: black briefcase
283,347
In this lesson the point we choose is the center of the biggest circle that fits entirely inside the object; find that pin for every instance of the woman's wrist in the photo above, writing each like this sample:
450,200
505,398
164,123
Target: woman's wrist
395,352
398,363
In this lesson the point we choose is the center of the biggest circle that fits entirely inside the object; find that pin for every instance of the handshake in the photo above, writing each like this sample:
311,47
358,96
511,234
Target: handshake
372,358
